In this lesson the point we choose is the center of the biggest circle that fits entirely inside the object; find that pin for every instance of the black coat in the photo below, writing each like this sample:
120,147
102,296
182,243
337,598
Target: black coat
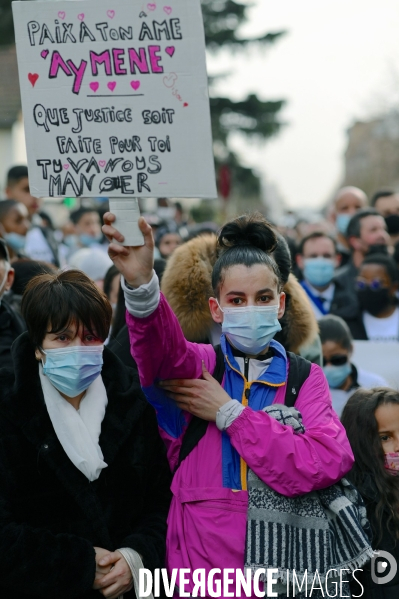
345,303
372,590
357,328
11,327
51,516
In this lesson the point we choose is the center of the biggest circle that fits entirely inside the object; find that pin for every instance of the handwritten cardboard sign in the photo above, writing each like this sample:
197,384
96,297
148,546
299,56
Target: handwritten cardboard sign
114,97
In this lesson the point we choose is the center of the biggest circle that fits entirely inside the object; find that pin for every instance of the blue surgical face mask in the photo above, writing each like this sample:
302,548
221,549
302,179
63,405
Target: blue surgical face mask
71,241
15,241
342,222
251,328
71,370
89,240
318,271
336,375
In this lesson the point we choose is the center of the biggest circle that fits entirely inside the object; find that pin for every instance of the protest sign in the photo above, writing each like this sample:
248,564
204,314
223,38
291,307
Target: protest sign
114,97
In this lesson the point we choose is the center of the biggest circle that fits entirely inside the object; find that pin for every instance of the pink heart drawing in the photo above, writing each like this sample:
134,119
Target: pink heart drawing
185,104
102,163
110,14
169,81
151,6
167,9
81,16
33,77
61,14
44,53
66,166
135,84
170,50
94,85
111,85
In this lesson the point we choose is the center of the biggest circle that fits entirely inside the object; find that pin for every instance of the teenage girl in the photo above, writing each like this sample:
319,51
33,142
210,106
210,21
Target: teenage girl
207,519
371,419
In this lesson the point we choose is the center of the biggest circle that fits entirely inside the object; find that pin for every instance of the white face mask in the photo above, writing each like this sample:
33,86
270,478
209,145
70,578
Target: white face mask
250,328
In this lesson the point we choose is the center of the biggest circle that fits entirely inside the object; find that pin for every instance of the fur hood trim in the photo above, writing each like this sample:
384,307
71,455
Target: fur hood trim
186,283
299,323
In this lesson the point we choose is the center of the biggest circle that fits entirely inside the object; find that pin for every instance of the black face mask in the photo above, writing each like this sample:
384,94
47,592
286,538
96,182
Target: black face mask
374,301
377,248
392,222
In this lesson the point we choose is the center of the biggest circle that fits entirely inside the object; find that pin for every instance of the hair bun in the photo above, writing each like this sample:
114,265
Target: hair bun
248,230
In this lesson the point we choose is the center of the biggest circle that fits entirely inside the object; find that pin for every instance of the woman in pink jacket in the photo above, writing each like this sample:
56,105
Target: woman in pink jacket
207,519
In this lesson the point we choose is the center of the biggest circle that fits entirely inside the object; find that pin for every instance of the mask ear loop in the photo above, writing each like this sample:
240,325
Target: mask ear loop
42,352
220,308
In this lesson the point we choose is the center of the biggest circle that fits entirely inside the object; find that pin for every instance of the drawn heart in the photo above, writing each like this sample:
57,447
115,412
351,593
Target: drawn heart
111,85
61,14
102,163
66,166
44,53
170,80
94,85
185,104
142,14
151,6
135,84
110,14
167,9
170,50
81,16
33,77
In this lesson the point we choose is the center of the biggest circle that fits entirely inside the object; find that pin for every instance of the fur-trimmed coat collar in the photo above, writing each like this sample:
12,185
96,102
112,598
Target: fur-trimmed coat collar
186,284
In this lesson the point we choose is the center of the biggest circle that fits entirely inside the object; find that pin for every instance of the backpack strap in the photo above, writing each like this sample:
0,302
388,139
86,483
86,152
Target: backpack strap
298,373
197,427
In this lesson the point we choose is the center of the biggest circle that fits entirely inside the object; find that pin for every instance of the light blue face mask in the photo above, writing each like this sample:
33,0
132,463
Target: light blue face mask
15,241
70,241
318,271
336,375
342,222
251,328
71,370
88,240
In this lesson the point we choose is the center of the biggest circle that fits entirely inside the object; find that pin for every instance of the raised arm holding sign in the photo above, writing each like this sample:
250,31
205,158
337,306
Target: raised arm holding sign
115,101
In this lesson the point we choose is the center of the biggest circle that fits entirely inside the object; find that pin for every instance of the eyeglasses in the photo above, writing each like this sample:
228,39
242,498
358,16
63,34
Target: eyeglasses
338,360
375,285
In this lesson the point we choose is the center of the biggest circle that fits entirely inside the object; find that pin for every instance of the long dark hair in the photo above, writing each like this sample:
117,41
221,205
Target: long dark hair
247,240
358,418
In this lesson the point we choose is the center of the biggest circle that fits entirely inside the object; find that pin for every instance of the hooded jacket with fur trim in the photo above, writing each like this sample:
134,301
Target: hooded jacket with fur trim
187,286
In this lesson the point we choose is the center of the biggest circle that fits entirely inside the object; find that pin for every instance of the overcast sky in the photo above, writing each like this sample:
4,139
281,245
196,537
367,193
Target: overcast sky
338,63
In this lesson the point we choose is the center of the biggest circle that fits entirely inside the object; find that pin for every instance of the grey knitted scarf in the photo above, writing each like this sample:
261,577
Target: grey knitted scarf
314,532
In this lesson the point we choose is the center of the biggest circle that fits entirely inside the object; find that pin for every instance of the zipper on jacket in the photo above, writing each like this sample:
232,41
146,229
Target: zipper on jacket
246,367
244,401
247,390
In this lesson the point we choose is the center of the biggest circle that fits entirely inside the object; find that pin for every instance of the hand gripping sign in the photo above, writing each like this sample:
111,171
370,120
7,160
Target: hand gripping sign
115,100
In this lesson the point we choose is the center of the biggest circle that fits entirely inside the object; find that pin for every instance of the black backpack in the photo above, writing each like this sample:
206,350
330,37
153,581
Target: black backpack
298,373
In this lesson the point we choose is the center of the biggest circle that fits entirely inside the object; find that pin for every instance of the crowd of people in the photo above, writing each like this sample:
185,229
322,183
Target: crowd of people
196,402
